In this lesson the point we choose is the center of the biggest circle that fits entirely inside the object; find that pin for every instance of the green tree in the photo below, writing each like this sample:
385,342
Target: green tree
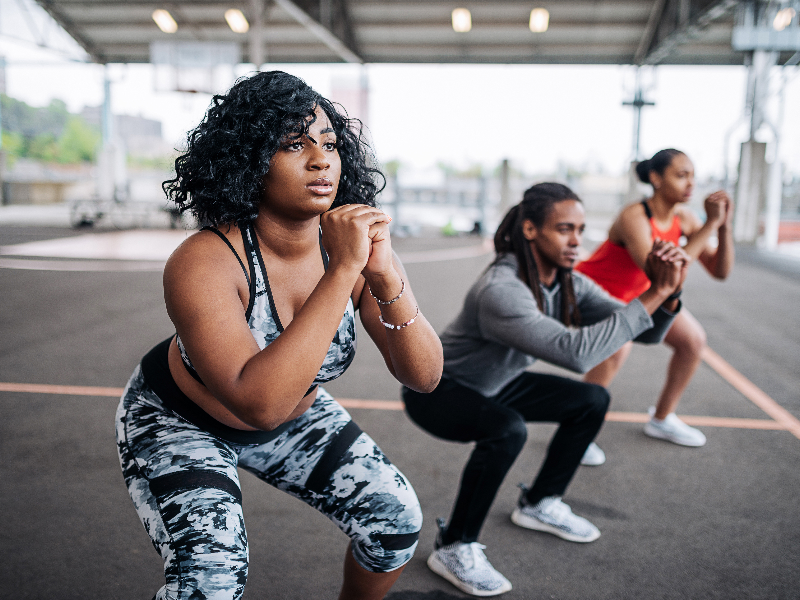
42,147
50,133
78,143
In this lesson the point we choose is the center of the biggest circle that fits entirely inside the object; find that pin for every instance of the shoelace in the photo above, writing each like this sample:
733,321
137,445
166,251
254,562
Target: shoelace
558,509
472,554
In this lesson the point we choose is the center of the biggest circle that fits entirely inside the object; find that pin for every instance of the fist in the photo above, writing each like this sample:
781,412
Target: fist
718,208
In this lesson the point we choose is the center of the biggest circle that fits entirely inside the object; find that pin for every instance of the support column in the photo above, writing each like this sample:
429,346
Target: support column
257,52
750,190
505,188
637,103
112,176
751,187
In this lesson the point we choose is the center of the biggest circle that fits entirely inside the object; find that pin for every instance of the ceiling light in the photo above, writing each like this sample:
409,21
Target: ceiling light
540,19
462,20
165,21
236,20
783,19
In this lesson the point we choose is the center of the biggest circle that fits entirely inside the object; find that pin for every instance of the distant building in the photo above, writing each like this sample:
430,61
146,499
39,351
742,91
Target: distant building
141,136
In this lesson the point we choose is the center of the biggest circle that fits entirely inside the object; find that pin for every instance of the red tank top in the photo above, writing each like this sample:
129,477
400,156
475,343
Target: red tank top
613,269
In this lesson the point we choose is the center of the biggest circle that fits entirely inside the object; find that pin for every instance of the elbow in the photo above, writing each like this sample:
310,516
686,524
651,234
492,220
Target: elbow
426,386
577,364
424,380
261,415
423,373
583,367
264,420
721,275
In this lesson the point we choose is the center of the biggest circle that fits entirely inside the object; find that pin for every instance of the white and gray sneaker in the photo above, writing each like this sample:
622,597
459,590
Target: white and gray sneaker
553,516
467,568
674,430
594,456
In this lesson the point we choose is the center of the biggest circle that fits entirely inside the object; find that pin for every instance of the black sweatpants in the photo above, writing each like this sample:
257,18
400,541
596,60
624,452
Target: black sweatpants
497,424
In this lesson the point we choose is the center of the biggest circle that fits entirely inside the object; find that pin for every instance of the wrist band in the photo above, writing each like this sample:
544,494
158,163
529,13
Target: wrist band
406,324
393,300
674,296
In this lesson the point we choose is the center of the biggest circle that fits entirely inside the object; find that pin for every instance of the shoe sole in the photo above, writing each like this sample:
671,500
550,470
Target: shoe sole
660,435
442,571
518,518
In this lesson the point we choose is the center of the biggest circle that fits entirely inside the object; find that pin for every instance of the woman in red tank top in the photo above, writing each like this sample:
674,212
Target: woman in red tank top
617,266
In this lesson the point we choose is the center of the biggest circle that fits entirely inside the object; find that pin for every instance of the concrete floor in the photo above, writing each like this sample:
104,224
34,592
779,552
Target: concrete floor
678,523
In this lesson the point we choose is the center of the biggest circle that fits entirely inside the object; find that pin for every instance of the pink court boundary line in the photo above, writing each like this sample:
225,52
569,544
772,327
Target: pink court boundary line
618,417
750,391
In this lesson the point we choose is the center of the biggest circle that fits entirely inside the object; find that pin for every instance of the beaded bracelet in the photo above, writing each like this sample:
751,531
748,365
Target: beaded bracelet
393,300
406,324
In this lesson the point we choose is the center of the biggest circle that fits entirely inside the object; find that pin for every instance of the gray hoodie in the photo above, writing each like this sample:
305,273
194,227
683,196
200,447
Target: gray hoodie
501,331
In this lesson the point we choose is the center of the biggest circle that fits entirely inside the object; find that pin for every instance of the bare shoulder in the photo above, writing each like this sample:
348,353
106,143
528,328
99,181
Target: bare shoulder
631,221
202,260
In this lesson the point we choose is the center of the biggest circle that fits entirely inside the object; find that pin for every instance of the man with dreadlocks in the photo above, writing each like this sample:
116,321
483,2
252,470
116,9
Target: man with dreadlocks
527,305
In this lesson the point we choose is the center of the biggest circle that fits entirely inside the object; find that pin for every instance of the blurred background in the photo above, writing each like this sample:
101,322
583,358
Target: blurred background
466,104
465,109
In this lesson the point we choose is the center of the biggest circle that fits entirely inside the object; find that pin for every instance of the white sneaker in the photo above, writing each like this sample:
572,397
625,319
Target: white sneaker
467,568
594,456
674,430
553,516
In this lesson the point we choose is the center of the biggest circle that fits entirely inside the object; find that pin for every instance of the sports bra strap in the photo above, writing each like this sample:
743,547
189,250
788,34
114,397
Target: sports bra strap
236,254
647,210
322,250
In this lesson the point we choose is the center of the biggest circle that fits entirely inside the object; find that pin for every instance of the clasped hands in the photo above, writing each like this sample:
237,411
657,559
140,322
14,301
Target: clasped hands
666,267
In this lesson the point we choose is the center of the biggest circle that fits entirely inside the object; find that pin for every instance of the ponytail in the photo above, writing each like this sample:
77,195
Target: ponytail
660,161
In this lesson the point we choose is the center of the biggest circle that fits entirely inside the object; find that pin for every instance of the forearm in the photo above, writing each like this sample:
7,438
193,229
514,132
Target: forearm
273,382
698,241
725,255
412,350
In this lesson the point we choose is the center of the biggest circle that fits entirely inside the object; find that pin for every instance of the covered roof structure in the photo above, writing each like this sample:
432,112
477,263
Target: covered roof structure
415,31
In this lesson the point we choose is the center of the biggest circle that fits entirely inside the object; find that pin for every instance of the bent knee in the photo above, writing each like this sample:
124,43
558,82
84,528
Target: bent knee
597,398
515,436
690,339
392,535
504,439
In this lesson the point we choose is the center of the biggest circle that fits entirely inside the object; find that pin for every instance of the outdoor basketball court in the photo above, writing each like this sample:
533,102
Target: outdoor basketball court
80,309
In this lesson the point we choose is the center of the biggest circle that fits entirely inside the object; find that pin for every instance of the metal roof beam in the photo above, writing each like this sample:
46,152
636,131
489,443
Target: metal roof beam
326,36
69,26
690,32
656,13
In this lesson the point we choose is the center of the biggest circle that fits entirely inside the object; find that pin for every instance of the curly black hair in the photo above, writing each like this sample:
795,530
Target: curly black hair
219,176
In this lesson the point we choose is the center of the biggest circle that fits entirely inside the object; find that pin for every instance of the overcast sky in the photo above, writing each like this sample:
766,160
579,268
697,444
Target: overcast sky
536,116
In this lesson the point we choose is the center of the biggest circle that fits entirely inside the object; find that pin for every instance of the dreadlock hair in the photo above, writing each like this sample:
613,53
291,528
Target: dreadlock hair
219,175
660,161
537,202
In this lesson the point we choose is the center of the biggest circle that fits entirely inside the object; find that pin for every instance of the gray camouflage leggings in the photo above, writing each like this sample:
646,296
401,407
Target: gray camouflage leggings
184,485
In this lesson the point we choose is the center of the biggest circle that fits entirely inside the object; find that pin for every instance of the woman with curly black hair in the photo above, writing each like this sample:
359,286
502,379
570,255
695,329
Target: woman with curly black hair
263,301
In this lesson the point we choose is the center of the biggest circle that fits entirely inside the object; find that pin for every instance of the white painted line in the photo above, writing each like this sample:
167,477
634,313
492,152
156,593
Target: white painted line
149,250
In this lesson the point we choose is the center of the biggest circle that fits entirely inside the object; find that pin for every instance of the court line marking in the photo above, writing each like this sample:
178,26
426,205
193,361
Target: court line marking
105,265
81,265
613,416
752,392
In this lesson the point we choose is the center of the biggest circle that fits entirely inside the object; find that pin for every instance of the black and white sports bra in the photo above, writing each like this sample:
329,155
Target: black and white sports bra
262,316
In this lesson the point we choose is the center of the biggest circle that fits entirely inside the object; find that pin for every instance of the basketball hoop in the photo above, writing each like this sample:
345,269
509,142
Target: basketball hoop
194,67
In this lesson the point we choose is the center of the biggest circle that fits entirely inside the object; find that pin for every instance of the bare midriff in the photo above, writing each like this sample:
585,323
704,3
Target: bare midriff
200,395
